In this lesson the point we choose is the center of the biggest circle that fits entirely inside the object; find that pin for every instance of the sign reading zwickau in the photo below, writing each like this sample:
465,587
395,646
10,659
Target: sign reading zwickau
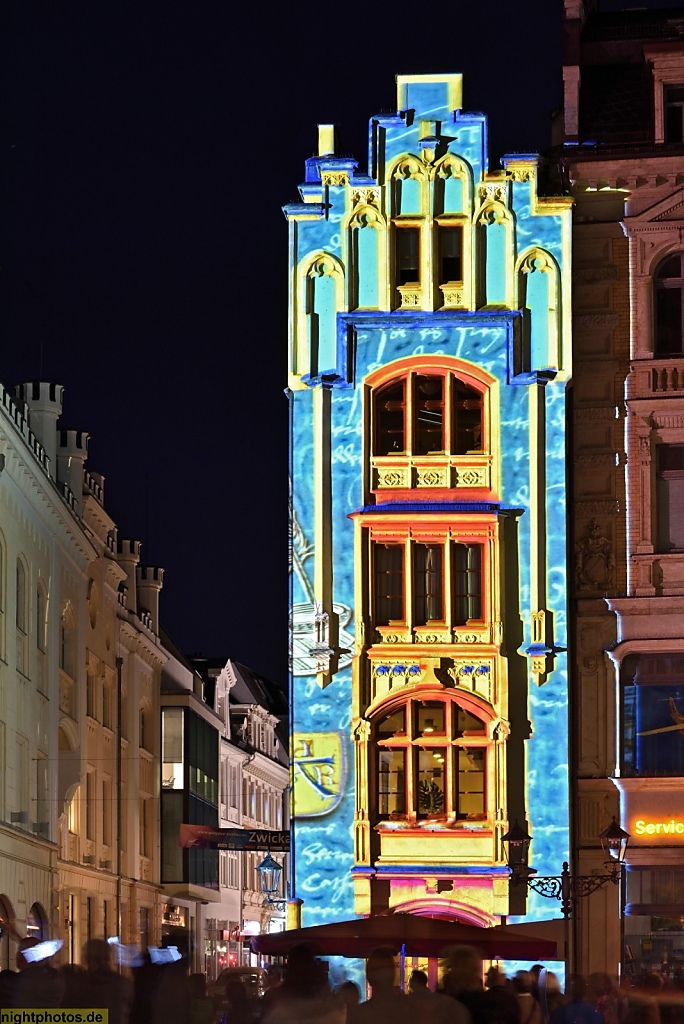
206,837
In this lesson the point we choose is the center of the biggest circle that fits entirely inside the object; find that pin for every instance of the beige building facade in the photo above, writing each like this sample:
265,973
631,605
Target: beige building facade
624,156
80,669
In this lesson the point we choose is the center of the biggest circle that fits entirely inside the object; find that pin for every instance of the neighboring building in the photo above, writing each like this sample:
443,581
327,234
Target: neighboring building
191,732
79,788
254,793
624,155
429,355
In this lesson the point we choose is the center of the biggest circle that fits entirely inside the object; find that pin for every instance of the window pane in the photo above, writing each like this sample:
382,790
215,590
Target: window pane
428,584
450,254
408,255
390,403
428,411
431,774
674,111
392,724
471,783
467,582
467,419
670,497
653,715
668,340
389,583
391,782
430,718
464,723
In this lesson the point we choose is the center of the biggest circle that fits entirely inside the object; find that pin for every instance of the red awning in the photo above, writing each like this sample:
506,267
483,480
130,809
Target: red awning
420,936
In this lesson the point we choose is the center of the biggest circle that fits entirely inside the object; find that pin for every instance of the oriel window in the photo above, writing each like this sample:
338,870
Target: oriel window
390,414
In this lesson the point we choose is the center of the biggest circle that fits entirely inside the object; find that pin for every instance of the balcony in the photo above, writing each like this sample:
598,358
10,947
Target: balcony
428,473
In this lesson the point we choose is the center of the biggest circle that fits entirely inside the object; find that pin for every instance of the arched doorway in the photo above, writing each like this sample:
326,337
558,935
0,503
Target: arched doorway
6,918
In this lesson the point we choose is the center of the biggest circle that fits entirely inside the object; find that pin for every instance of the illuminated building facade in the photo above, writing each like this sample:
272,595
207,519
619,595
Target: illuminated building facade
624,154
80,668
428,361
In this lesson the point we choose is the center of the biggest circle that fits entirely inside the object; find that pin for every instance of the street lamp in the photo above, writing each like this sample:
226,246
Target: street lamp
564,887
269,874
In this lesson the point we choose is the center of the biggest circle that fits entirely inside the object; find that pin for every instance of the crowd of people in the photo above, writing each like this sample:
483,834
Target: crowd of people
300,993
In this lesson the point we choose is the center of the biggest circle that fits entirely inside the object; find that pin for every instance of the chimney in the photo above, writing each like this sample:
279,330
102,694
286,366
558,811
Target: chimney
72,451
44,404
149,581
128,557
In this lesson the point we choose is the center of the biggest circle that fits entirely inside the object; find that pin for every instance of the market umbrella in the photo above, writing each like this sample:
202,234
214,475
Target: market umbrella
407,933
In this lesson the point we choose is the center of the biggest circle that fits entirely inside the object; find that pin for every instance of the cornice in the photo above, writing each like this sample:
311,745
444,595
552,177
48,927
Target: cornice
39,491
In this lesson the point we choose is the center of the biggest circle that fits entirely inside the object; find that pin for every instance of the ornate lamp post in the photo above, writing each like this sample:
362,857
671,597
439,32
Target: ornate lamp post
269,873
564,887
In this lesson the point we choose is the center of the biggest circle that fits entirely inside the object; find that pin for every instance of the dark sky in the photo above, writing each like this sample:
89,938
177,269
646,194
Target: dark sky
146,149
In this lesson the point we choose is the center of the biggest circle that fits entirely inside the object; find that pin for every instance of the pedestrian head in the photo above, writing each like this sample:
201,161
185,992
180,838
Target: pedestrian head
97,955
463,969
418,982
380,969
522,982
349,994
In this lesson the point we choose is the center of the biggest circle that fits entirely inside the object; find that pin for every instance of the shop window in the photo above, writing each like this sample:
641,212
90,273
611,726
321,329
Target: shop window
652,715
668,282
670,497
674,113
446,583
423,414
431,761
36,923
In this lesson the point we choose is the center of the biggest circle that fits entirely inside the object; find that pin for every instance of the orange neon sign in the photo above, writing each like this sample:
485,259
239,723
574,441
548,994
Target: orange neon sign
673,827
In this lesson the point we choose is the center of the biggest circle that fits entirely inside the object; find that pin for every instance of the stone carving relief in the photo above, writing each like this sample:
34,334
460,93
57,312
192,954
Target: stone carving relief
594,560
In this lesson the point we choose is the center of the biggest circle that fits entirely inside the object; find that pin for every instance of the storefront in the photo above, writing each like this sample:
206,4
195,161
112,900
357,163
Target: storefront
652,811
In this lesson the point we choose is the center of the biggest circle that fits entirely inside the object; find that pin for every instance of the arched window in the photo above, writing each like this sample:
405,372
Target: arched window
21,611
67,644
41,617
668,283
36,923
431,760
425,413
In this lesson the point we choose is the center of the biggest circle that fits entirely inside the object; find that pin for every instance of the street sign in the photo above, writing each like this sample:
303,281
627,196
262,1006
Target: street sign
207,837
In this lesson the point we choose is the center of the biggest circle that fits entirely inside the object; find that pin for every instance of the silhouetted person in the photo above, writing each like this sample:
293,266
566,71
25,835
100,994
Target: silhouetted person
304,996
576,1009
201,1006
463,981
38,984
529,1007
433,1007
8,981
387,1005
101,986
349,993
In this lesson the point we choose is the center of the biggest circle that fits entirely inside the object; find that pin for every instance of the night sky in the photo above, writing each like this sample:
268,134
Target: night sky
146,150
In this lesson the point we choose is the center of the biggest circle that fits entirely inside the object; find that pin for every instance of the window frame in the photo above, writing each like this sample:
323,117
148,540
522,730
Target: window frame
413,741
663,285
410,543
408,380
